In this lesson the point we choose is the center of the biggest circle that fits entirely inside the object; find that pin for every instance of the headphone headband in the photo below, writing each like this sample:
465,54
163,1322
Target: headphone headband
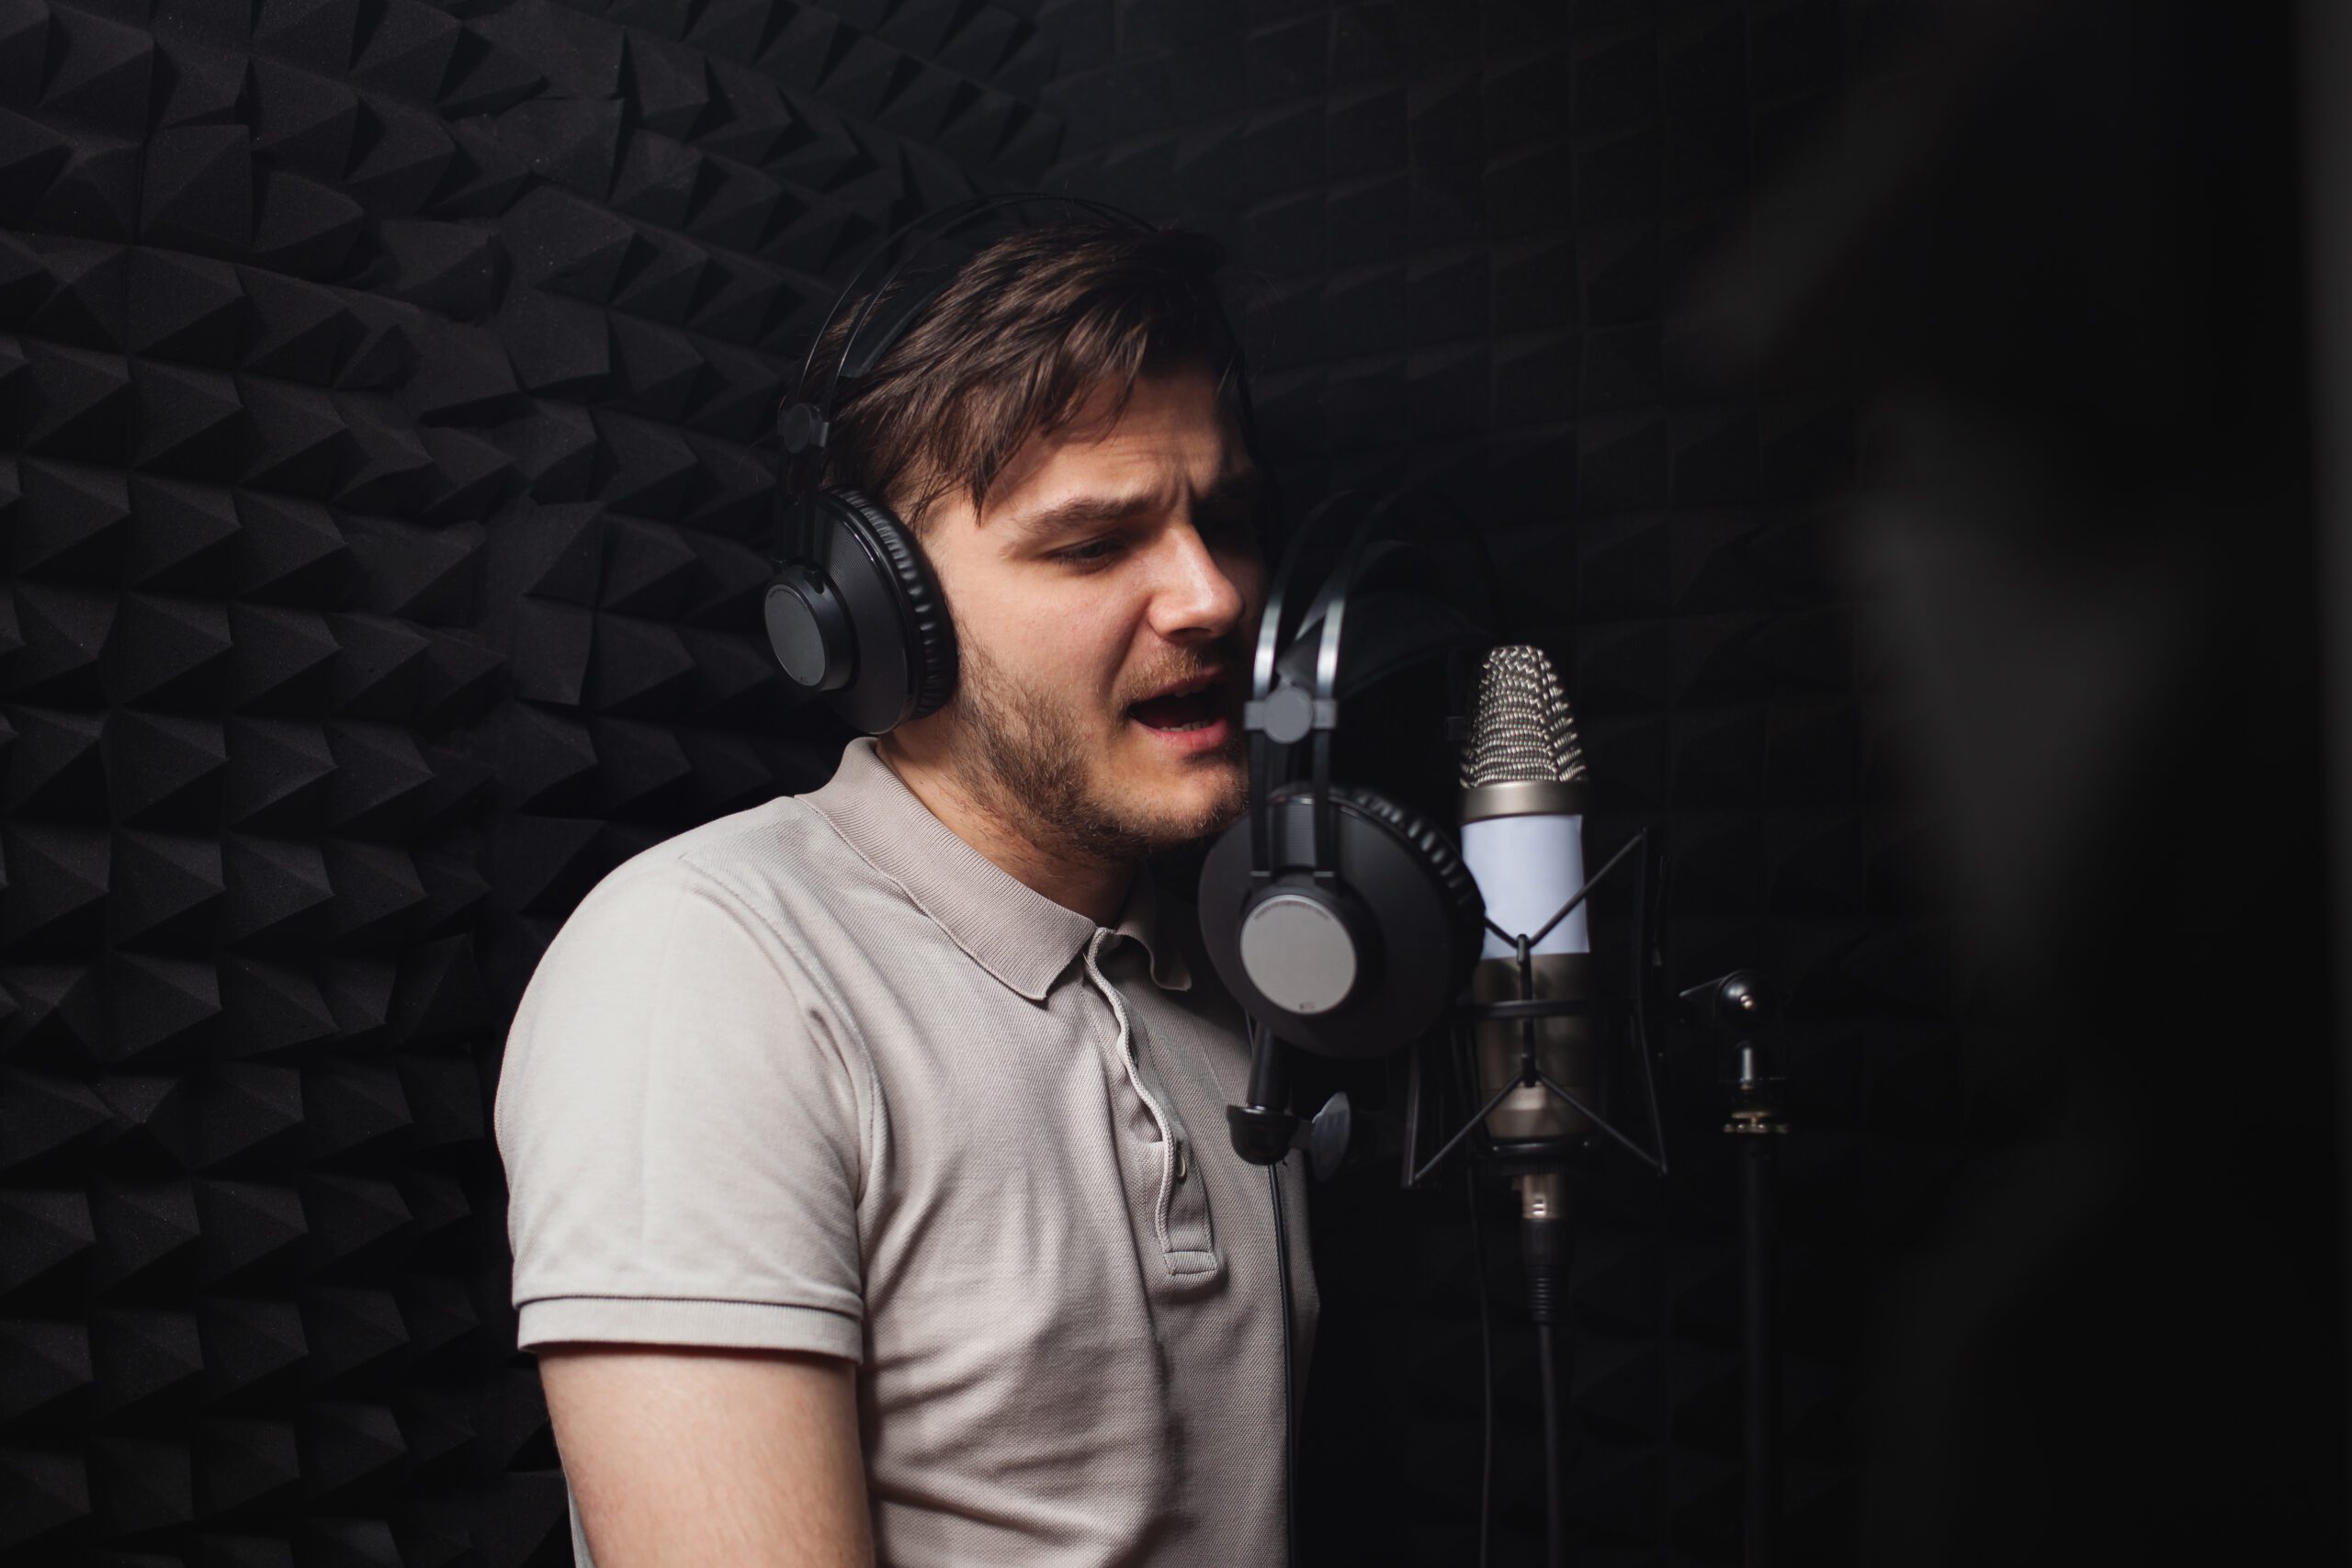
1289,704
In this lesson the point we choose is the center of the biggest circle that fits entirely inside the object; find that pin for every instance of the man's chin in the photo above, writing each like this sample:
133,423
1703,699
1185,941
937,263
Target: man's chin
1203,796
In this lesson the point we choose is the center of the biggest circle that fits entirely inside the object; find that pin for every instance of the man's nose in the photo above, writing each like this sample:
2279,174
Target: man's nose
1195,596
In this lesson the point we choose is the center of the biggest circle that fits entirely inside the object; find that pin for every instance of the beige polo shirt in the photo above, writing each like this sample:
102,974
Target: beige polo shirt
819,1076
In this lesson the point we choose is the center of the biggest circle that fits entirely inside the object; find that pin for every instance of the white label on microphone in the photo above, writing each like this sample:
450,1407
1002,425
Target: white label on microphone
1526,868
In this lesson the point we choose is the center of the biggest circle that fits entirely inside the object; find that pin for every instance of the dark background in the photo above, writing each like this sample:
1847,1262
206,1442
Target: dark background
1891,415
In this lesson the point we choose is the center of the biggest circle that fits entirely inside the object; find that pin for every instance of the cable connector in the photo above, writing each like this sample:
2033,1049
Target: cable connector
1543,1243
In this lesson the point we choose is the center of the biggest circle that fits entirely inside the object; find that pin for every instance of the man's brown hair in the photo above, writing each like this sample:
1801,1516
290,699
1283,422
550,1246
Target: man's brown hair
1028,329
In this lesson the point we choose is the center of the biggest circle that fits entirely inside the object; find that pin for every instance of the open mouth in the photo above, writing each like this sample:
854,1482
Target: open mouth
1195,704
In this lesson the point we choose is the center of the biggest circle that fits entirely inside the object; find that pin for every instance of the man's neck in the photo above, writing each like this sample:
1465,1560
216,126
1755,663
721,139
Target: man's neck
1095,888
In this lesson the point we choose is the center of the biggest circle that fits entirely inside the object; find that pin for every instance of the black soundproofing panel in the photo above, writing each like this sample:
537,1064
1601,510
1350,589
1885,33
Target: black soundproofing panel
385,389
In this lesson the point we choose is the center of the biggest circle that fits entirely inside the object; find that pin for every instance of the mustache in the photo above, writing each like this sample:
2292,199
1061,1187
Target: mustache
1223,657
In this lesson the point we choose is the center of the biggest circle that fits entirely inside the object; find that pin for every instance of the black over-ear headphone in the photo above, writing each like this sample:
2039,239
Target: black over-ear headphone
855,614
1343,921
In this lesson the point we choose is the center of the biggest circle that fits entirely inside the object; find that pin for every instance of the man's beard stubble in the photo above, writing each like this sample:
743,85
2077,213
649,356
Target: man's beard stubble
1026,760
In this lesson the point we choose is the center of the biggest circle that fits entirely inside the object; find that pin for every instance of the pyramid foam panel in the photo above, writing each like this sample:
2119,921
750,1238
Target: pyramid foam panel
386,504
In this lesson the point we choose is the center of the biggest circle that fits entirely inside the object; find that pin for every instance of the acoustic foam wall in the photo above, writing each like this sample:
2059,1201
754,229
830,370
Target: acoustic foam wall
382,391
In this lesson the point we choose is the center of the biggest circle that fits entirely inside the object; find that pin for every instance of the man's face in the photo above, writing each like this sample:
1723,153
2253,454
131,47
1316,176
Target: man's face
1103,599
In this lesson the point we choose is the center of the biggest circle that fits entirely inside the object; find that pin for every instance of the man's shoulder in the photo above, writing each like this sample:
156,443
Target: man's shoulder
751,907
776,838
771,860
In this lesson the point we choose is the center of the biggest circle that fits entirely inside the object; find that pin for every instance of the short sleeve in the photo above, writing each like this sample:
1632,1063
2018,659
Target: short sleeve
680,1129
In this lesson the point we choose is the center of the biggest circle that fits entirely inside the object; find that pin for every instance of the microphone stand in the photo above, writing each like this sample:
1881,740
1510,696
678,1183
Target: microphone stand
1738,1005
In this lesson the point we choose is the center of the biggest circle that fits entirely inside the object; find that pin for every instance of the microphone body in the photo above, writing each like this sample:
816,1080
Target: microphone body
1523,839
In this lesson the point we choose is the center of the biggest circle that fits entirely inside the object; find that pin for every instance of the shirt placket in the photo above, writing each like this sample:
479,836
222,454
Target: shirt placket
1179,1209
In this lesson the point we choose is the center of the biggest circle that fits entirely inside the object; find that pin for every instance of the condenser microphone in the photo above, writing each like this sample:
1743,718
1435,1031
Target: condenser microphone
1522,839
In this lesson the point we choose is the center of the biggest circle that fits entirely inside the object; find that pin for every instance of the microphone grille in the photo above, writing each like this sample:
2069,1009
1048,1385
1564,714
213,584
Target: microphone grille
1521,727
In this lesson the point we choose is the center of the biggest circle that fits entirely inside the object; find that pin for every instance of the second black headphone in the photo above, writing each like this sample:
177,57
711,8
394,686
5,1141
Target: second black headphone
855,614
1342,919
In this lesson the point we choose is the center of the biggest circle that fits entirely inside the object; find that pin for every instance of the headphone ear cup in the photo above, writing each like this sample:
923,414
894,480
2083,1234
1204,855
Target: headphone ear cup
902,646
931,635
1410,908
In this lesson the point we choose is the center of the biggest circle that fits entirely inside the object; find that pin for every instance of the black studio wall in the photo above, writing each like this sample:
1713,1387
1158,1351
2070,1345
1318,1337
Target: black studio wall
384,483
381,391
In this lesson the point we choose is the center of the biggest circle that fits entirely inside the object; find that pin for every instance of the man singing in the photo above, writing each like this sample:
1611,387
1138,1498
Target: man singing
871,1198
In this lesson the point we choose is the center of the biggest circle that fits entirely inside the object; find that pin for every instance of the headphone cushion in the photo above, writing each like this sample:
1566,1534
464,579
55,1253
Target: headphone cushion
933,653
1467,909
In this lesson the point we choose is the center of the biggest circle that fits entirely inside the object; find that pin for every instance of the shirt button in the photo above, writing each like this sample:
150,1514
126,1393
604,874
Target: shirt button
1180,1163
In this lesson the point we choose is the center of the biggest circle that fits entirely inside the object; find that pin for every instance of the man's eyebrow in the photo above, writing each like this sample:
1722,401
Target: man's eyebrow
1095,511
1078,512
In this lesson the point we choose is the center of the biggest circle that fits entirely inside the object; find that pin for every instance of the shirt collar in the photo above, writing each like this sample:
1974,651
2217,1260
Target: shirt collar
1149,920
1008,928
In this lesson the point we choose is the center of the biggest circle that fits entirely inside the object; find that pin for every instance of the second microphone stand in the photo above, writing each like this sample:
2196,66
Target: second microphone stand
1742,1005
